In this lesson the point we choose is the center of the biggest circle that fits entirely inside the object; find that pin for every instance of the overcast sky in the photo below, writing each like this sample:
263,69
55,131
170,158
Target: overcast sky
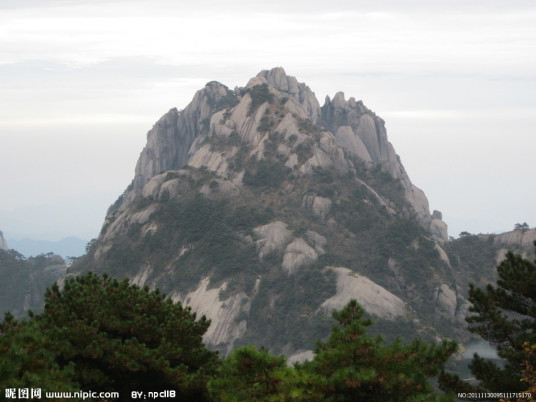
81,83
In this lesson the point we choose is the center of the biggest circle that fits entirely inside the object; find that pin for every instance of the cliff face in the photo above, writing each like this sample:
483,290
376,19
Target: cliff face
263,210
363,136
351,134
169,141
520,240
474,258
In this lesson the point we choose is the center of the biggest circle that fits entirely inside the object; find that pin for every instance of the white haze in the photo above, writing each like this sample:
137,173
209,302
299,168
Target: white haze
82,82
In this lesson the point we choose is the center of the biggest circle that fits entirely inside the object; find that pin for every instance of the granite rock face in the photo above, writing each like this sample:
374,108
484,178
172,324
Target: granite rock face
272,237
170,139
297,254
351,134
300,92
374,298
362,134
517,238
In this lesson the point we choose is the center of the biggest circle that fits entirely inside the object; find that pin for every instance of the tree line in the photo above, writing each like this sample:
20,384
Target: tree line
98,333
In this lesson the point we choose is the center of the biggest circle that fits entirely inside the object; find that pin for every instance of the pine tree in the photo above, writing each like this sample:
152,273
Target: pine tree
26,363
105,335
251,374
505,315
355,366
529,371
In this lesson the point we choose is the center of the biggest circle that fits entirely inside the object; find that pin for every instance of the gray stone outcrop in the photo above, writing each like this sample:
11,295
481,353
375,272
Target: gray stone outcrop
347,139
170,139
320,206
316,239
439,230
361,133
451,303
446,299
352,133
225,328
374,298
517,238
301,357
297,254
272,237
291,87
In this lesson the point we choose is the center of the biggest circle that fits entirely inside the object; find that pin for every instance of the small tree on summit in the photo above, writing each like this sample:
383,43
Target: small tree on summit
26,363
523,227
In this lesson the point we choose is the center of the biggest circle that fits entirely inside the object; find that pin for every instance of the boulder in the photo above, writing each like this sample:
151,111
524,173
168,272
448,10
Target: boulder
446,299
301,357
373,298
297,254
317,240
213,161
271,237
348,140
366,132
320,206
224,327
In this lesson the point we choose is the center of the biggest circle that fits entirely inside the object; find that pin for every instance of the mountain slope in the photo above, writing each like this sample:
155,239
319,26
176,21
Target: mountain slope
264,211
23,281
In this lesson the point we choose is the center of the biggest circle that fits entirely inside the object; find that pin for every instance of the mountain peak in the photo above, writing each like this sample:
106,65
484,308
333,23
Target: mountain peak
339,135
245,198
278,79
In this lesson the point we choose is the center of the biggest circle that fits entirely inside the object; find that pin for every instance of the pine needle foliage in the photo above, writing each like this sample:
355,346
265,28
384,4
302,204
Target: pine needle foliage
349,366
505,315
354,366
102,334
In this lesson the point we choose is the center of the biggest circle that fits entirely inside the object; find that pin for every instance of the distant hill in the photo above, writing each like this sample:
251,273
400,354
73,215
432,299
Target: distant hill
67,247
474,257
23,281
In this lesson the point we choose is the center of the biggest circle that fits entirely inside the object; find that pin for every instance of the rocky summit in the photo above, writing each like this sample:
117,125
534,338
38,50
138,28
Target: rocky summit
264,211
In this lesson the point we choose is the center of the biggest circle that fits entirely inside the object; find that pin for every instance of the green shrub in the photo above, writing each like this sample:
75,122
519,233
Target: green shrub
266,174
259,95
227,102
304,151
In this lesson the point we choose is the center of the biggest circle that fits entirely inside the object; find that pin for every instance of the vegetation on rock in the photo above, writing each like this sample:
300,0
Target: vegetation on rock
259,95
100,334
24,280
